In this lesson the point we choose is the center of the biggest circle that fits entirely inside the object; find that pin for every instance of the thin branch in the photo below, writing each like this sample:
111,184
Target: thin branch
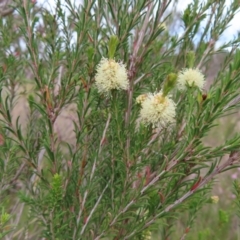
92,174
19,171
29,43
232,158
206,53
34,177
132,70
232,103
93,209
183,236
23,228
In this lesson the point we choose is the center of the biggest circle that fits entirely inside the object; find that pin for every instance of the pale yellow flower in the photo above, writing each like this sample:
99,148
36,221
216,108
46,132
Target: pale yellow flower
111,75
190,77
158,110
214,199
141,98
147,235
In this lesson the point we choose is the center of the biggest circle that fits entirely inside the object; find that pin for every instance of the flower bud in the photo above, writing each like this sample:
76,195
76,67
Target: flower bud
169,83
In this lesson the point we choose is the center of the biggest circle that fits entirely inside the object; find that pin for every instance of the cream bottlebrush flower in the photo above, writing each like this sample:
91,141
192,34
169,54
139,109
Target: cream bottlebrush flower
190,77
158,110
147,235
141,98
214,199
111,75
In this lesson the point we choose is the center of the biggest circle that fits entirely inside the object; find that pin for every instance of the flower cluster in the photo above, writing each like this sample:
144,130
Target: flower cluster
214,199
190,77
111,75
147,235
157,109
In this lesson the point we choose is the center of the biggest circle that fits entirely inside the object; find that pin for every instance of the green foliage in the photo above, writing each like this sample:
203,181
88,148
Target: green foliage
5,228
205,234
223,217
112,46
236,188
169,83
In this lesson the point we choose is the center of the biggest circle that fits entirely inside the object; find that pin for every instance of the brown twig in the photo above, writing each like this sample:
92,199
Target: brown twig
132,68
233,157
